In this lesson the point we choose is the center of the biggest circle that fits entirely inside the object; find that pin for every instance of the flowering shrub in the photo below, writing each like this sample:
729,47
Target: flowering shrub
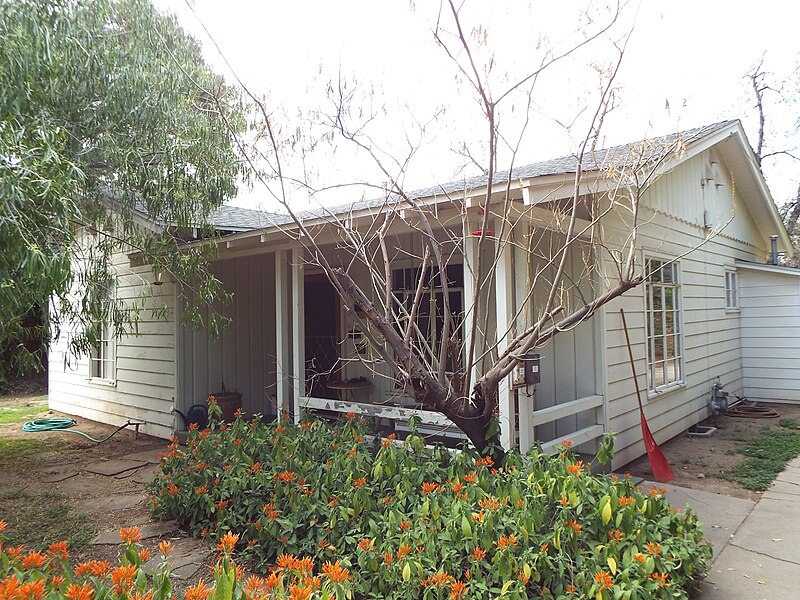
48,575
416,522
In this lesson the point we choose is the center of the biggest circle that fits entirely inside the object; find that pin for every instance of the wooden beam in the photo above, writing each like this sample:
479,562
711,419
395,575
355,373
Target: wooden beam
298,331
577,438
282,319
552,413
504,313
470,260
427,417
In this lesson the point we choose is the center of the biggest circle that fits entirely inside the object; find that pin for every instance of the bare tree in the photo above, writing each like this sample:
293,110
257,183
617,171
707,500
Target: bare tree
453,355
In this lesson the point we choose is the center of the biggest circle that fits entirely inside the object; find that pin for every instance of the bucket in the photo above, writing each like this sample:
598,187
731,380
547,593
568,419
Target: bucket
229,403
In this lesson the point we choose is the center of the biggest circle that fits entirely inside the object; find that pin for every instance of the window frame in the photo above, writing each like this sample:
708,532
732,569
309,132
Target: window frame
731,290
669,288
103,355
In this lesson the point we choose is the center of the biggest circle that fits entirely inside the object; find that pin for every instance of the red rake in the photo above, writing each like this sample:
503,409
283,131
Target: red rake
662,470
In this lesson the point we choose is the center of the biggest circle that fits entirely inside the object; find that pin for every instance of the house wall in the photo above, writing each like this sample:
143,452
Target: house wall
144,388
770,317
243,356
672,224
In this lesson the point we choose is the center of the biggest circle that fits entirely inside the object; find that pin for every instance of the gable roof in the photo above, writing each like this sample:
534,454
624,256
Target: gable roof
753,186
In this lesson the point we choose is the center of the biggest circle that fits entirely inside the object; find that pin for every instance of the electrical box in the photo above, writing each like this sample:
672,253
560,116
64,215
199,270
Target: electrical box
527,372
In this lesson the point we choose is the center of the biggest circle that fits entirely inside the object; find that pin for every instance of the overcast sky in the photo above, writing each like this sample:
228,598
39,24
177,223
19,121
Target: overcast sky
683,67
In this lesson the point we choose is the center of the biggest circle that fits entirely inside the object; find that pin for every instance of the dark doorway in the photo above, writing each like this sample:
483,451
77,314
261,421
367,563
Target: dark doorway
322,335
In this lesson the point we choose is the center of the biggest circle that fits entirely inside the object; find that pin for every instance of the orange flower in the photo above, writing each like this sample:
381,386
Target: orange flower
574,525
479,516
31,590
490,503
285,477
430,487
165,547
388,558
438,579
654,549
193,426
98,568
403,551
571,589
365,544
200,591
359,482
486,460
544,547
201,490
286,561
56,581
523,578
33,560
306,425
471,477
140,596
575,468
615,536
520,503
272,582
350,416
564,501
13,551
253,585
404,525
304,565
227,543
639,557
626,501
567,444
603,579
144,554
2,526
79,592
122,577
58,550
457,590
507,541
299,592
457,486
662,580
478,553
335,572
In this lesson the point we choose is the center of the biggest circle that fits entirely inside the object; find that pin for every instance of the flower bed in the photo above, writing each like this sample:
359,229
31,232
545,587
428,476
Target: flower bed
35,575
417,522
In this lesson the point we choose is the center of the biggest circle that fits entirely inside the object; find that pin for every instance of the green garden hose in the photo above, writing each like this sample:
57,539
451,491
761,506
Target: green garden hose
64,424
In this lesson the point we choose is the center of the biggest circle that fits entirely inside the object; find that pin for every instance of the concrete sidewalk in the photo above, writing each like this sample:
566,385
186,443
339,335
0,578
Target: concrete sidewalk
756,545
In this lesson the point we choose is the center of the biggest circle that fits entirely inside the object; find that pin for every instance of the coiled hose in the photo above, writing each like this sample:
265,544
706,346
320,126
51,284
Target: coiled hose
64,424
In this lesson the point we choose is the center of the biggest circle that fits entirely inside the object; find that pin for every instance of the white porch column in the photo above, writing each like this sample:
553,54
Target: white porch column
470,262
504,283
298,330
282,333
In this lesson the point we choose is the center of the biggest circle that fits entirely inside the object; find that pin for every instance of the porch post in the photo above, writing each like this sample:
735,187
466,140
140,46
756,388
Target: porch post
504,313
282,356
470,261
298,330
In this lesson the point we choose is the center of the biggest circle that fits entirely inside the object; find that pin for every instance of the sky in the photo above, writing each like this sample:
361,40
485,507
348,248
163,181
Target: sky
683,66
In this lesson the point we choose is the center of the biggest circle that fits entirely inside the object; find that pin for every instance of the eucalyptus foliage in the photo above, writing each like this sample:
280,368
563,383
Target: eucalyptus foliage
106,107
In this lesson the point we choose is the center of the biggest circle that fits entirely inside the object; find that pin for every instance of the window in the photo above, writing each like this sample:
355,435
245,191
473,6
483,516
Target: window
664,339
103,356
731,290
430,318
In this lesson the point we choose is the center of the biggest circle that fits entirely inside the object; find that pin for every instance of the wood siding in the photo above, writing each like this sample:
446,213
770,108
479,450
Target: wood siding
243,356
674,226
770,305
144,387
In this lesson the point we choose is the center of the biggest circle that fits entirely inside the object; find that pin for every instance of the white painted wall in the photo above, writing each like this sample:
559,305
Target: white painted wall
144,388
243,357
673,225
770,317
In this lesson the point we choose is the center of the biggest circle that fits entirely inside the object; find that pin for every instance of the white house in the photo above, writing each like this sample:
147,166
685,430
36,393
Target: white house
711,306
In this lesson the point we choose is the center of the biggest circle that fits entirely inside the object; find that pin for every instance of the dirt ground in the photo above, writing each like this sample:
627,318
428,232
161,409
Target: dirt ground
44,477
700,463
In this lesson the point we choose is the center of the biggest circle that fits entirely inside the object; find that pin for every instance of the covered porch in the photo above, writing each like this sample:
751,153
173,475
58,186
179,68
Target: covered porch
292,347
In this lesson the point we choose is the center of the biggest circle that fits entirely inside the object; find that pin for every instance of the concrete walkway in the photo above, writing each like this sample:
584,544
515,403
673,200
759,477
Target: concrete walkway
756,545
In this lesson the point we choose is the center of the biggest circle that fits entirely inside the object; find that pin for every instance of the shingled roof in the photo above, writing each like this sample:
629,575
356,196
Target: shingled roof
233,218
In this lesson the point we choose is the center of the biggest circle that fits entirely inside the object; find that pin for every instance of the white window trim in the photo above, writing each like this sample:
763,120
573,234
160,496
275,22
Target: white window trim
661,390
731,274
112,361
